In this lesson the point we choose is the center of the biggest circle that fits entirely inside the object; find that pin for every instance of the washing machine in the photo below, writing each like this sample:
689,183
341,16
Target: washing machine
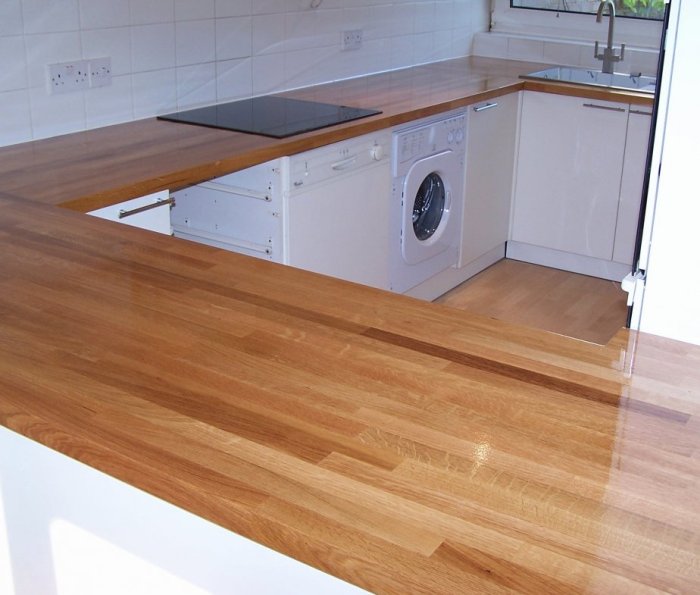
428,167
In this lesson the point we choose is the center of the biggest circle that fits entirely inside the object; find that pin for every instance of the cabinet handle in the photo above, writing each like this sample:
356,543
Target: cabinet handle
483,108
640,112
154,205
344,164
237,190
605,107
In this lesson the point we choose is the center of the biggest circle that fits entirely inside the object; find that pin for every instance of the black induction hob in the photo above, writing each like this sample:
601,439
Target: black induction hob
270,115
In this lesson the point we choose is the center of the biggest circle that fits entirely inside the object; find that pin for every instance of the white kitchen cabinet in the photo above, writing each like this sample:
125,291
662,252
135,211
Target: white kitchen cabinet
578,184
150,212
492,129
631,187
337,210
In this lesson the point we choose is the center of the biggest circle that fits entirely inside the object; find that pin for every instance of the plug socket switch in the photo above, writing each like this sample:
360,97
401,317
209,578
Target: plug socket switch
351,40
100,72
66,77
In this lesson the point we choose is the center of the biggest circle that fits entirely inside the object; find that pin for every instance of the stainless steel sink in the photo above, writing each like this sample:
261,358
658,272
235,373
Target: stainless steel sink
596,78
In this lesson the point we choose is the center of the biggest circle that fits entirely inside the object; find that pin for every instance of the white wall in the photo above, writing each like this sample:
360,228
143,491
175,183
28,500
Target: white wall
671,303
171,54
67,529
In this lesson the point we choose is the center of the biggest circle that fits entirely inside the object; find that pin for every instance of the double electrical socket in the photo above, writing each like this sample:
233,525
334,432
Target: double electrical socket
66,77
351,39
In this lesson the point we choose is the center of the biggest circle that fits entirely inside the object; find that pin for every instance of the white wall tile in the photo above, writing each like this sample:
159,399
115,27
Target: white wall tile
97,14
152,47
269,74
13,74
109,105
526,49
424,17
233,79
233,8
146,12
195,42
268,34
113,43
169,54
16,122
56,114
269,6
154,93
194,9
11,17
196,85
49,48
233,38
50,16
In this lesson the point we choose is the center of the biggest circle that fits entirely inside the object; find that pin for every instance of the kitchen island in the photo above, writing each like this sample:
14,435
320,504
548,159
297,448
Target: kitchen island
398,445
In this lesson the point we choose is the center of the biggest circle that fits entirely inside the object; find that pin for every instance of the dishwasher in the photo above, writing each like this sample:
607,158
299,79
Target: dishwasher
337,207
324,210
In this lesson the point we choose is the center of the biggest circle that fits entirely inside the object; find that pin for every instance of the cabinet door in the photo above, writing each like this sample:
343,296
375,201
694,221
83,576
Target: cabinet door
147,212
632,183
491,132
570,160
340,227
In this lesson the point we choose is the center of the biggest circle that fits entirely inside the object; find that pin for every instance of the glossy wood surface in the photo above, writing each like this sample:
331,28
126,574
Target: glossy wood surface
579,306
93,169
403,446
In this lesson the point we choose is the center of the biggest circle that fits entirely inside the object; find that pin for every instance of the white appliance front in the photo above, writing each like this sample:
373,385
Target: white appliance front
427,199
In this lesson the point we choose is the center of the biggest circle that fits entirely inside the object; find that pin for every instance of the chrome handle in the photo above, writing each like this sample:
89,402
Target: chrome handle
154,205
344,164
605,107
640,112
483,108
236,190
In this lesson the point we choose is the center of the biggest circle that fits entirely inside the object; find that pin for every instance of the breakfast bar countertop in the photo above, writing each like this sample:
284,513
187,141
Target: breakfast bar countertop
402,446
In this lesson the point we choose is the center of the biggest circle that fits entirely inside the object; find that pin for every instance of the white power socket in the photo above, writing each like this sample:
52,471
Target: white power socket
100,72
67,77
351,40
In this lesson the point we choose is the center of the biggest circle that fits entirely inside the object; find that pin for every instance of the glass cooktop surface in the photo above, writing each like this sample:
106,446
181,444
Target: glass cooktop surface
271,115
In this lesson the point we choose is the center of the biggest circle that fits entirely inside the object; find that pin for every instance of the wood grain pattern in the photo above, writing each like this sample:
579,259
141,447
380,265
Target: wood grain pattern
403,446
400,445
93,169
574,305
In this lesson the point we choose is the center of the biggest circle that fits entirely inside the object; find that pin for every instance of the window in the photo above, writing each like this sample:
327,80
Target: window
641,9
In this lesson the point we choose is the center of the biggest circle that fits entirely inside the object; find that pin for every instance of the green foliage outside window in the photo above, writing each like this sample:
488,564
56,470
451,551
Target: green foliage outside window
644,9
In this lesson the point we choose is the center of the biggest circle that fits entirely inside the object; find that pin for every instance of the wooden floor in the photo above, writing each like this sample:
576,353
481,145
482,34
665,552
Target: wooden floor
574,305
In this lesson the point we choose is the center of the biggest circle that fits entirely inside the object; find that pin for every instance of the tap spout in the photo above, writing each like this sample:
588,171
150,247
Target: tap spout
609,56
611,23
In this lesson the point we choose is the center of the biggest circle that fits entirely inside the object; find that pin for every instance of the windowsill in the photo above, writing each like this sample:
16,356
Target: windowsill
562,51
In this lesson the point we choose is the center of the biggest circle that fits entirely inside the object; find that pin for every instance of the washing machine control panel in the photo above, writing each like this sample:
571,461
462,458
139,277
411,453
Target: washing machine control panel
432,137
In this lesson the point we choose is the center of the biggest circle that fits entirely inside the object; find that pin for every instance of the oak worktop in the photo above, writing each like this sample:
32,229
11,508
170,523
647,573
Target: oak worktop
405,447
92,169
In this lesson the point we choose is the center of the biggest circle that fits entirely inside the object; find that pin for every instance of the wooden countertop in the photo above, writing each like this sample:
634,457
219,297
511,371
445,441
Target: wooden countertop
92,169
402,446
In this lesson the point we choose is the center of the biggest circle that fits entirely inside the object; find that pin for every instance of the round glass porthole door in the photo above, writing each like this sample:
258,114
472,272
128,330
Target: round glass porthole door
428,206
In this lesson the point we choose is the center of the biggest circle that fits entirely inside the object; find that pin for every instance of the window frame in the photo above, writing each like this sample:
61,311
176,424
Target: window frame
530,22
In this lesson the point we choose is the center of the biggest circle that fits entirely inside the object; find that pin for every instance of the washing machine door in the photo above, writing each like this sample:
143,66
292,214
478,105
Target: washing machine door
427,203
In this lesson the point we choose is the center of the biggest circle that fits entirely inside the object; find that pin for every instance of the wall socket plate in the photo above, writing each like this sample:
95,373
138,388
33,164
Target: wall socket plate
100,70
351,40
67,77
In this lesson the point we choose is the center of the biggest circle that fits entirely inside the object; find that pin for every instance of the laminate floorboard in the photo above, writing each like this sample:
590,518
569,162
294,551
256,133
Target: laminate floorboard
566,303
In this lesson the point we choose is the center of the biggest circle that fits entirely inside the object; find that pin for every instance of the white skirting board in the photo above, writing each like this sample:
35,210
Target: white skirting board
452,277
566,261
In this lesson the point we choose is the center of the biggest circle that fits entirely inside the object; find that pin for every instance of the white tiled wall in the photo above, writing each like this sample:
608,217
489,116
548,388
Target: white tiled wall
559,51
172,54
